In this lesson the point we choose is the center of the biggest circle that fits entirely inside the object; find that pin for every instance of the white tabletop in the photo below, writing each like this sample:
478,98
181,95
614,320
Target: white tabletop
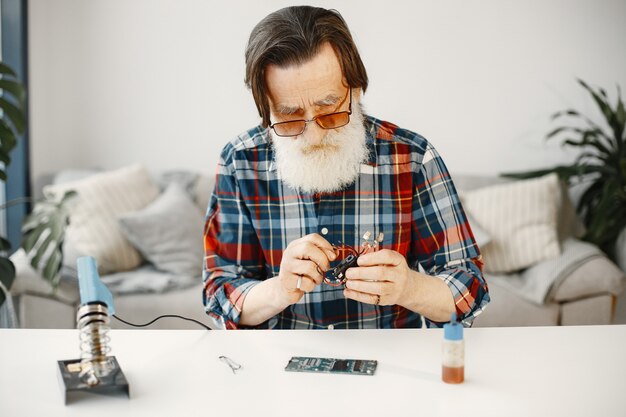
538,371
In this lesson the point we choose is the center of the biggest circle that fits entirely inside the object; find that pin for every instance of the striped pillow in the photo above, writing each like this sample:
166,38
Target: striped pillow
521,218
93,228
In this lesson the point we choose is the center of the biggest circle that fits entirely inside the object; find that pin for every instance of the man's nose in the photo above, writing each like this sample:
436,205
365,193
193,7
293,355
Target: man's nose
313,134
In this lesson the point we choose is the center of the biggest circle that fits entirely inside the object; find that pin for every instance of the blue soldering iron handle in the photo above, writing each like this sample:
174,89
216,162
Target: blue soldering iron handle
90,286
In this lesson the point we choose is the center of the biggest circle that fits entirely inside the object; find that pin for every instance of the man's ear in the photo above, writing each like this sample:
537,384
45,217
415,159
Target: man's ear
356,94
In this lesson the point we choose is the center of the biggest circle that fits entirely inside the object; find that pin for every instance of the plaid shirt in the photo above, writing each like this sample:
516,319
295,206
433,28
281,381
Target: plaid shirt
404,191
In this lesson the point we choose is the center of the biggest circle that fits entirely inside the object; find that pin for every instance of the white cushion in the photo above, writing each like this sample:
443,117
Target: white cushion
168,233
521,218
93,228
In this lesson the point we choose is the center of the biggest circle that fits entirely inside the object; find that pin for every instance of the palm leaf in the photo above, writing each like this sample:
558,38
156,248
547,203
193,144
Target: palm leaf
5,69
14,113
565,172
568,112
601,102
602,161
588,200
15,88
5,158
620,113
7,275
607,111
608,217
52,266
5,245
44,233
7,269
587,156
9,87
591,137
7,137
601,133
587,140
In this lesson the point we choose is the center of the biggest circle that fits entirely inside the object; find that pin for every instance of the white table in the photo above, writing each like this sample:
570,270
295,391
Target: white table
540,371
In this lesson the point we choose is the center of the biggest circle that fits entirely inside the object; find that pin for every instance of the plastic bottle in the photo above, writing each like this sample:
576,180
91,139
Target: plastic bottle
453,363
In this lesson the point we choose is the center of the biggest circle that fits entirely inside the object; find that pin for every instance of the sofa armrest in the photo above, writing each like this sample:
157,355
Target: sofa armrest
29,281
596,276
36,312
580,270
587,311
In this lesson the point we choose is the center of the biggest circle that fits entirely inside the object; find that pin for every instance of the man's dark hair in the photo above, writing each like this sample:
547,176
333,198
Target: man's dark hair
293,36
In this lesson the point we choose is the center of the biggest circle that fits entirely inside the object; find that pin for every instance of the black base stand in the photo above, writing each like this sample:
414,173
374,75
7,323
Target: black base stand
74,388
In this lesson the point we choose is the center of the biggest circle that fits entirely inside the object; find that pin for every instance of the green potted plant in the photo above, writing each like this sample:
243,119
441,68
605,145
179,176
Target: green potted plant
601,164
12,124
44,228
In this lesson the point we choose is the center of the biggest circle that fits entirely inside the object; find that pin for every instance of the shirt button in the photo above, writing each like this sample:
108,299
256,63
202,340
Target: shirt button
324,231
331,327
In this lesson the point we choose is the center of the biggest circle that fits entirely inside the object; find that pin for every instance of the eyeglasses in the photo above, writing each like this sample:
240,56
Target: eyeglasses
325,121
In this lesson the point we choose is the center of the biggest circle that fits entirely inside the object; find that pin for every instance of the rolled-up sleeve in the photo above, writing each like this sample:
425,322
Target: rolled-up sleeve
443,242
233,259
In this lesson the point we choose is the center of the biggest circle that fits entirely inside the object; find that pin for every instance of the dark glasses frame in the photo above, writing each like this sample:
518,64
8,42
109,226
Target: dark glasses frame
317,119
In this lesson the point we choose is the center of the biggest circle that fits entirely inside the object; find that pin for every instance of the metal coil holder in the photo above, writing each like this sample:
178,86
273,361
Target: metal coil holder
93,324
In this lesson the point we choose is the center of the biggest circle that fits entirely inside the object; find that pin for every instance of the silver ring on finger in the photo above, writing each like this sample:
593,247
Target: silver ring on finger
299,282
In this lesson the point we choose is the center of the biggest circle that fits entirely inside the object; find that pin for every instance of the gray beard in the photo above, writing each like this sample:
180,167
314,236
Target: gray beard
327,167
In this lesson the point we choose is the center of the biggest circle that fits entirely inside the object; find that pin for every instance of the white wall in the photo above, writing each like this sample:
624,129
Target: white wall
118,81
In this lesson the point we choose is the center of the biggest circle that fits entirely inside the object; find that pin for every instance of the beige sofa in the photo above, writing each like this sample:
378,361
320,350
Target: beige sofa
39,306
582,292
586,295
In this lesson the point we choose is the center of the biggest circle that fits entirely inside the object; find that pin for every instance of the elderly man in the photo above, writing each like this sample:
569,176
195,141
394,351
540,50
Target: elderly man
317,176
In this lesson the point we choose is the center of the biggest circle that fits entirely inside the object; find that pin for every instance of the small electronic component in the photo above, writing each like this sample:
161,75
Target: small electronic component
337,275
330,365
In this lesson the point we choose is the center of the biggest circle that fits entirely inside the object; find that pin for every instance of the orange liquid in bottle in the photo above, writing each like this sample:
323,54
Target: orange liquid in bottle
453,375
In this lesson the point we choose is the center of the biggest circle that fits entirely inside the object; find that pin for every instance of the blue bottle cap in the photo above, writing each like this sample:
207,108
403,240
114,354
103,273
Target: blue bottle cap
453,330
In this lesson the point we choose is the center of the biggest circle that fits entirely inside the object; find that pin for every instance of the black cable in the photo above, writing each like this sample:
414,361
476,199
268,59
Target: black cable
160,317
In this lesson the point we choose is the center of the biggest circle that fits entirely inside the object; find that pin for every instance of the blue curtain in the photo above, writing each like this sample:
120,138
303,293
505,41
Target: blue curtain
14,31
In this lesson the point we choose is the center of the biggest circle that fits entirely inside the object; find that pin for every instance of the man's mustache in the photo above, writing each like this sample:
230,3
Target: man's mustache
321,147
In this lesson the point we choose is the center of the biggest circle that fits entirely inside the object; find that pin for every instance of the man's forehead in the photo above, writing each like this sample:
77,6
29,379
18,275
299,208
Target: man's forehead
297,98
323,90
318,79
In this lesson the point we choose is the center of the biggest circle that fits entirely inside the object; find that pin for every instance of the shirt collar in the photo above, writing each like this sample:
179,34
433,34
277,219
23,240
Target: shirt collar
370,142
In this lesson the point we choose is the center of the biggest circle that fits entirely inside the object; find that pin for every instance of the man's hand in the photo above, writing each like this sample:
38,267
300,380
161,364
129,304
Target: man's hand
299,266
382,278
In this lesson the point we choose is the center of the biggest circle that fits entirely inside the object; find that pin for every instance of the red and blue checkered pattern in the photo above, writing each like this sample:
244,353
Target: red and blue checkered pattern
404,191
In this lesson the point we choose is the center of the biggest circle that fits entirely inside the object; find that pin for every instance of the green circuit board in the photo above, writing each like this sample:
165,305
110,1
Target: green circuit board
331,365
